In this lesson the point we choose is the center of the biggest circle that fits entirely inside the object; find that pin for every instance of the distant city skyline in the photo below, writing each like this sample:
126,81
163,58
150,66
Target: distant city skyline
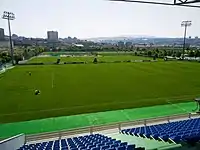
97,18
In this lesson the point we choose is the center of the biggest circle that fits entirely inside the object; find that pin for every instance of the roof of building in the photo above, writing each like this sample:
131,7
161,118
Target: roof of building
79,45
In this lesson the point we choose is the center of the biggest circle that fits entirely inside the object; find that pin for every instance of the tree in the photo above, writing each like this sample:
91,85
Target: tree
157,51
191,54
2,60
165,53
149,53
5,57
136,54
145,53
143,49
26,54
178,54
17,58
197,53
169,53
156,55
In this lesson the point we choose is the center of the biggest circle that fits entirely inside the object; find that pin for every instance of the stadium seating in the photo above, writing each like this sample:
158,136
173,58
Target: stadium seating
187,131
88,142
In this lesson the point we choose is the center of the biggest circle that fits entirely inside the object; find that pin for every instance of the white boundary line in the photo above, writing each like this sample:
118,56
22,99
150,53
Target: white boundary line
52,80
127,116
175,105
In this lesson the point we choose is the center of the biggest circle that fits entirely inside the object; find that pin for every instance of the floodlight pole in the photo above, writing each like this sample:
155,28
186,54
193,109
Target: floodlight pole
185,24
184,38
11,46
10,16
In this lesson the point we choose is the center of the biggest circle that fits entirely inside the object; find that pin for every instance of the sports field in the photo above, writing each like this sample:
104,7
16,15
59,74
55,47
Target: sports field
88,59
82,88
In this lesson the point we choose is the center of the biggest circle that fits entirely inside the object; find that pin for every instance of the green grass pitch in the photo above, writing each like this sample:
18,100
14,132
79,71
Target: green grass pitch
88,59
75,89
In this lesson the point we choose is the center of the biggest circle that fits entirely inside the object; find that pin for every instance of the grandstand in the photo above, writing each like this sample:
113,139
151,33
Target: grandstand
169,132
180,131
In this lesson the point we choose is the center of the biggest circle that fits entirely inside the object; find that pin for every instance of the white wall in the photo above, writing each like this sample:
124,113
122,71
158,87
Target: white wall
13,143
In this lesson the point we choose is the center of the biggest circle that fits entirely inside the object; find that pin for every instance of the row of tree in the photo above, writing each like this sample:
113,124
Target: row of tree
25,53
20,54
30,52
4,57
163,53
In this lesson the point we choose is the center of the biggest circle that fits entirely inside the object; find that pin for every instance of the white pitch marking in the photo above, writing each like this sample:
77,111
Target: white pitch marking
175,105
52,80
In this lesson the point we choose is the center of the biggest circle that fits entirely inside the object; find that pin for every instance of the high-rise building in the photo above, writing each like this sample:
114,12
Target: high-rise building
52,36
2,36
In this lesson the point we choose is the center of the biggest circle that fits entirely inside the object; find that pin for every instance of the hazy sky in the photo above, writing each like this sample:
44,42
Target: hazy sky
97,18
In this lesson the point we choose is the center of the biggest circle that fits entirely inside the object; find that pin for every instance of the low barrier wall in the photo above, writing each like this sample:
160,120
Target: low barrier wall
13,143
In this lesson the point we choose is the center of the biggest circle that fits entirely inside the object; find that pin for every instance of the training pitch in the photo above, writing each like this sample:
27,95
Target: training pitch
82,88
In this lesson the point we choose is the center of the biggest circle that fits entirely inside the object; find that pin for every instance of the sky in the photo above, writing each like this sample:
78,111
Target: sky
97,18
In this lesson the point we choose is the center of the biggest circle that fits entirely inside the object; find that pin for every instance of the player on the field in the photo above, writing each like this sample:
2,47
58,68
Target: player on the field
37,92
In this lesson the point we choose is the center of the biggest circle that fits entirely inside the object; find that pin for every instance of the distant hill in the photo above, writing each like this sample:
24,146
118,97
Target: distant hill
143,39
118,38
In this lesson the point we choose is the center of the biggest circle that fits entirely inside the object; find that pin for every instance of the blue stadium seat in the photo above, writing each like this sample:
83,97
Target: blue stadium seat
104,147
111,149
130,147
96,148
123,144
92,142
121,148
186,130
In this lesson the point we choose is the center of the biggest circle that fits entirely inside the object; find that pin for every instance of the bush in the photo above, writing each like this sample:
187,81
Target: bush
127,61
78,62
117,61
102,62
4,57
95,60
146,60
18,58
32,64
